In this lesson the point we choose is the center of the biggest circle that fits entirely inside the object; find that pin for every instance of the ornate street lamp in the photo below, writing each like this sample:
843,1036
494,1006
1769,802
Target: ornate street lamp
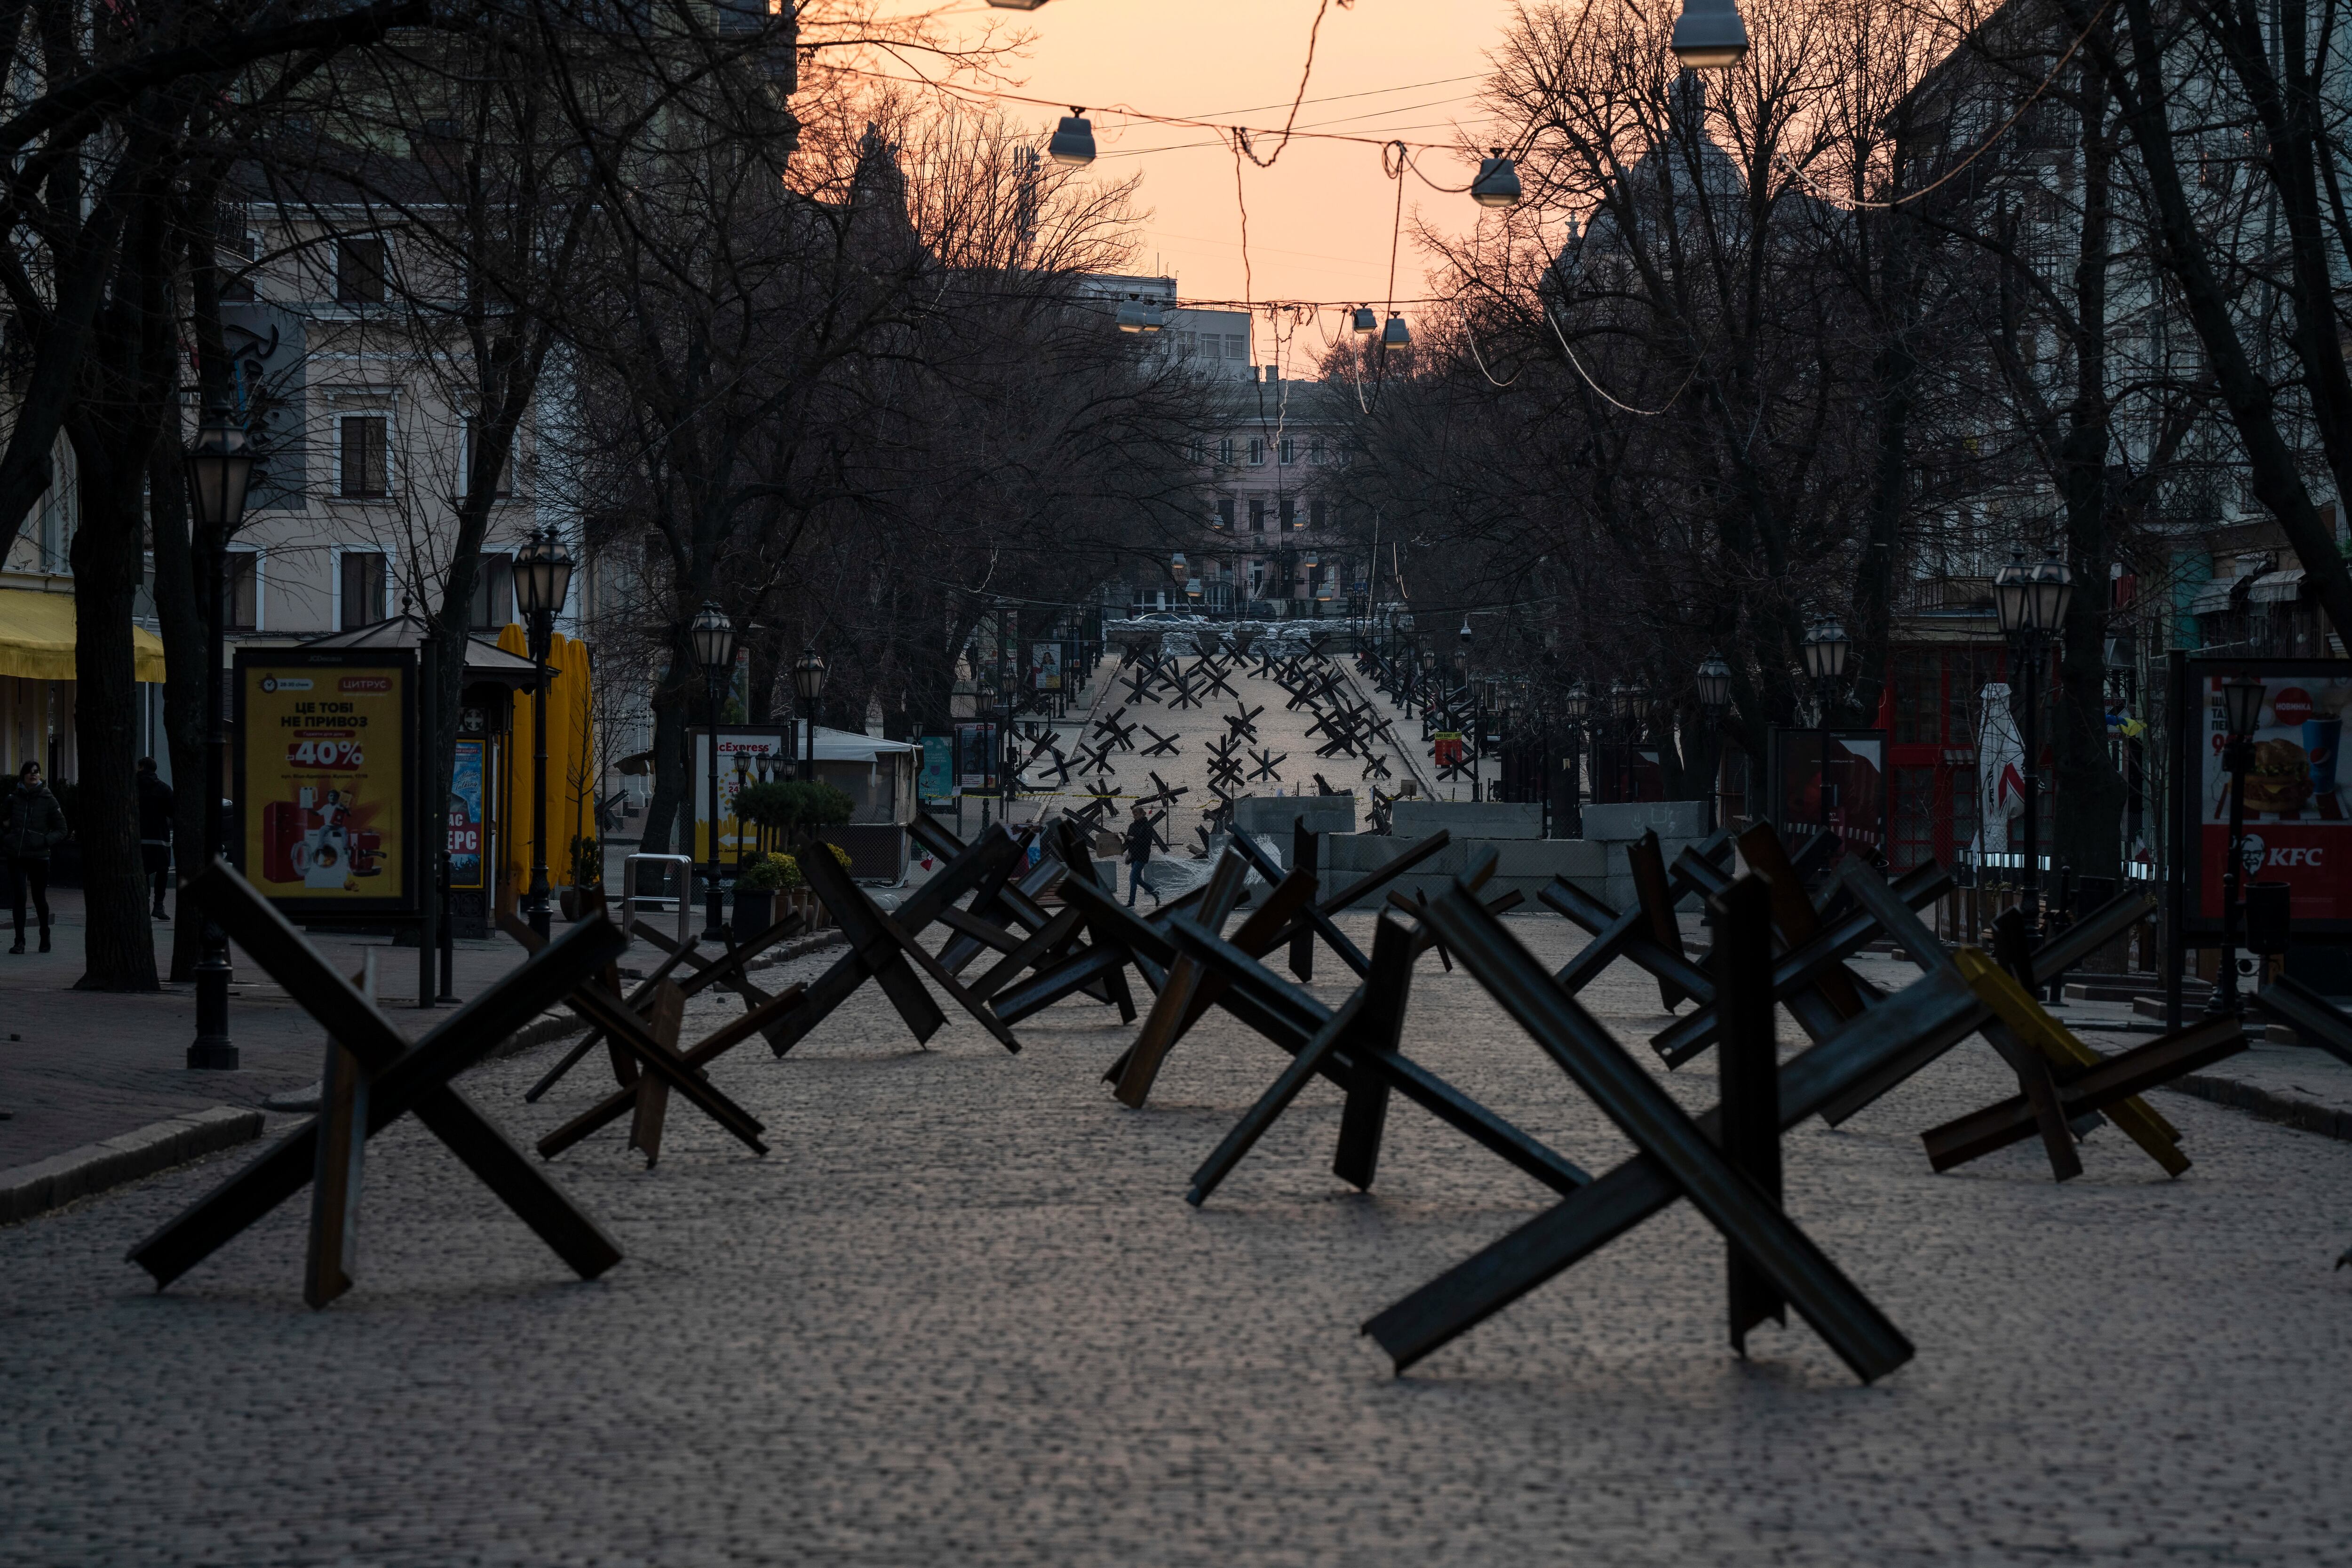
2242,712
219,464
808,680
542,578
713,637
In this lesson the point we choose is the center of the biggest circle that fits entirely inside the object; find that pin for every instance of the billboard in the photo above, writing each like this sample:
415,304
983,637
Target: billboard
975,754
1831,781
467,822
752,746
1046,666
2298,805
324,778
937,785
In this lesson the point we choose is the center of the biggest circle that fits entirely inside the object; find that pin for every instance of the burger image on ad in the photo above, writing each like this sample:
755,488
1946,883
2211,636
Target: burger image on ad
2280,781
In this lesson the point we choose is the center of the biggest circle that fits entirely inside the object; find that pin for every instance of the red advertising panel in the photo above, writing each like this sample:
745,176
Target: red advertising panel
2298,829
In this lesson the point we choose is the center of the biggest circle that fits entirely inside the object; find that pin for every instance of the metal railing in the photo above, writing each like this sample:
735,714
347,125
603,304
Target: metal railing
633,901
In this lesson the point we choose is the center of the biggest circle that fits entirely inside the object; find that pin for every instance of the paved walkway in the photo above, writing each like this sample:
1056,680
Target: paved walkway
79,1065
960,1314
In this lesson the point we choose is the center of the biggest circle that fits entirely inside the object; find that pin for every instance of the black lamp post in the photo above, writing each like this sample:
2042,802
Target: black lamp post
714,648
218,465
1575,705
542,576
1826,646
1713,700
2242,710
808,680
2032,604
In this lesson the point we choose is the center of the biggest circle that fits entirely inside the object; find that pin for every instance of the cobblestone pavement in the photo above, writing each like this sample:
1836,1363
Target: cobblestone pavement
960,1314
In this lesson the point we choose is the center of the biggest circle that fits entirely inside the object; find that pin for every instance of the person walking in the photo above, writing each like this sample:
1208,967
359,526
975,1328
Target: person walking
31,825
1140,839
155,830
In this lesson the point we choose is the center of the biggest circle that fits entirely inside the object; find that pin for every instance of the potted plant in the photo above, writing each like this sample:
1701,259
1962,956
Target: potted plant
587,871
756,886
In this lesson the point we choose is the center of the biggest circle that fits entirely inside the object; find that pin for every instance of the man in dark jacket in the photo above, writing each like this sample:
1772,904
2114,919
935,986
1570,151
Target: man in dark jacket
155,830
1139,840
32,824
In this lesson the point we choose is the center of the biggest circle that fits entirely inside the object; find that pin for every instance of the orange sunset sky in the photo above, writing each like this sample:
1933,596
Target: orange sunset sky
1320,219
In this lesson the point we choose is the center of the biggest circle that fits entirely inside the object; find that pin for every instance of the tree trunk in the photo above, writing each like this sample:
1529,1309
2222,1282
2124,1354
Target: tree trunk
2086,818
673,800
118,948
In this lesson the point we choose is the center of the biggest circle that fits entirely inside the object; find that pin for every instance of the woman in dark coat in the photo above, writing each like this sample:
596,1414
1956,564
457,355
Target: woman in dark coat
32,824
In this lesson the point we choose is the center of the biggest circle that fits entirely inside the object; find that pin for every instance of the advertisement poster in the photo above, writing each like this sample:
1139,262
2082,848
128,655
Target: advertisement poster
1831,781
937,787
2298,829
975,747
467,823
1046,666
323,776
752,749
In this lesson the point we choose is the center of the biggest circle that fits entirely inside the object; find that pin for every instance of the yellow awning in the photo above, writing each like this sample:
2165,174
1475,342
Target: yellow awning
37,638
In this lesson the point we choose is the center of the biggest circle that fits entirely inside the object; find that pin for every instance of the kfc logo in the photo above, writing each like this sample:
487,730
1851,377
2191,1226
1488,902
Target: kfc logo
2250,854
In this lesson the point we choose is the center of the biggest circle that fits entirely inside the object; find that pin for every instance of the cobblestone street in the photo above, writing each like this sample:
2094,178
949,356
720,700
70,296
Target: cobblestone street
961,1314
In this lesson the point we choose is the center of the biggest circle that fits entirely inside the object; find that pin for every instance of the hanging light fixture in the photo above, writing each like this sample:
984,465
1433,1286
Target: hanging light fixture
1016,5
1074,140
1497,184
1176,565
1139,316
1577,703
1709,35
1361,319
1394,335
2053,589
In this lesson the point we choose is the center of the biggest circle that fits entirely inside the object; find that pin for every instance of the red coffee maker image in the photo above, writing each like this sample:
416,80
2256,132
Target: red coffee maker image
318,842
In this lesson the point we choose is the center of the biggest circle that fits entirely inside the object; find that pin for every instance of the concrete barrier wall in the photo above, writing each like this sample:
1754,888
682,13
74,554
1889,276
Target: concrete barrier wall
1415,819
1270,816
1527,865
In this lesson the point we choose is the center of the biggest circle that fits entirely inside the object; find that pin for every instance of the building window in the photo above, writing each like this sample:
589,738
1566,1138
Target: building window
1289,505
366,456
1196,451
1225,513
245,590
1317,511
1257,514
359,276
1258,450
1289,449
1226,451
1315,448
363,590
493,593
